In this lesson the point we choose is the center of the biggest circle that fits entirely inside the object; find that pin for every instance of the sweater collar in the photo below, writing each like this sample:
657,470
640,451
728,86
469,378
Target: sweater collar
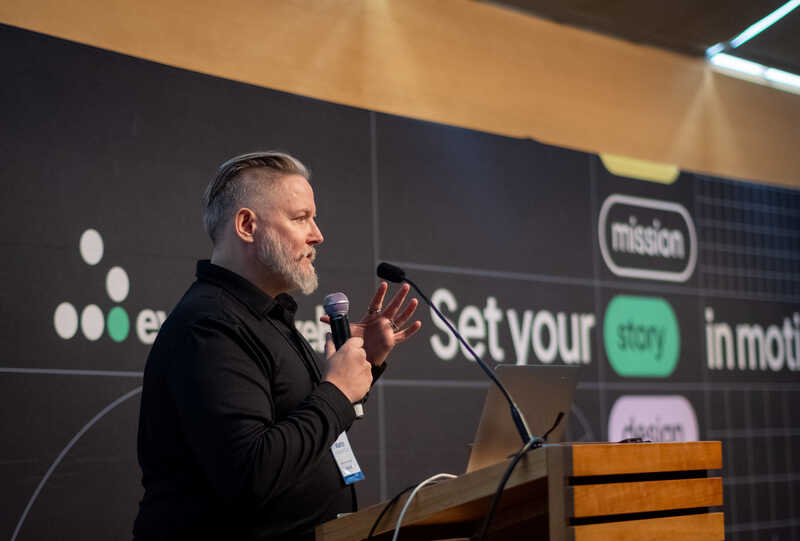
283,306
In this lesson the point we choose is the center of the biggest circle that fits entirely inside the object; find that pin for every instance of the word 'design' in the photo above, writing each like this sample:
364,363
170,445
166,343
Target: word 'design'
655,418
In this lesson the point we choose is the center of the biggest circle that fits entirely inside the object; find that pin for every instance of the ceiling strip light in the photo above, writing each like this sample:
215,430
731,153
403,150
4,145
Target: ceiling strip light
755,29
735,63
782,77
752,71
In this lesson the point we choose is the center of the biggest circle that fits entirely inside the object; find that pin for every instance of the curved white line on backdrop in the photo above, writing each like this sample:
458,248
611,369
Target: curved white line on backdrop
66,449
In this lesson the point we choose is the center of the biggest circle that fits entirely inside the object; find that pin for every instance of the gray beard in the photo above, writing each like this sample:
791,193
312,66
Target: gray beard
274,255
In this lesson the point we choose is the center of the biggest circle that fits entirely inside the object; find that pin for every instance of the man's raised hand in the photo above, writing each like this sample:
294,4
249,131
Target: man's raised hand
382,327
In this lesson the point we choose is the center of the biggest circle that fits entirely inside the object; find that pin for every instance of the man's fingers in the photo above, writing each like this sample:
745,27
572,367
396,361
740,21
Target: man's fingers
408,332
348,368
407,312
377,299
330,349
354,342
396,301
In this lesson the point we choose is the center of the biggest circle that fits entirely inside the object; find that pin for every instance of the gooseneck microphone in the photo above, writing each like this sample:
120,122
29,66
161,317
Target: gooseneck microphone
336,307
395,274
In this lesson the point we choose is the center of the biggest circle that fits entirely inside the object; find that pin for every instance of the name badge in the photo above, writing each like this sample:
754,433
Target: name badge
346,460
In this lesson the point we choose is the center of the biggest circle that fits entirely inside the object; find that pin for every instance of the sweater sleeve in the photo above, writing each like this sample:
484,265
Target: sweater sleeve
225,405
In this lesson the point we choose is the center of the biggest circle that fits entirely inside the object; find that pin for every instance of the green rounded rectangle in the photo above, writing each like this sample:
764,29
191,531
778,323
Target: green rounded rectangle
641,336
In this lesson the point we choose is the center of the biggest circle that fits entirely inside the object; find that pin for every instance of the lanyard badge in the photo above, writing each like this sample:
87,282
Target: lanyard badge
346,460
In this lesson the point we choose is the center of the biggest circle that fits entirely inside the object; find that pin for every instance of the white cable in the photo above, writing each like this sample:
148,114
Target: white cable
427,481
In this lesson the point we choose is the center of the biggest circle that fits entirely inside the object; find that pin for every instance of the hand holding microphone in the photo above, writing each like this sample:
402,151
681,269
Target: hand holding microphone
347,359
348,369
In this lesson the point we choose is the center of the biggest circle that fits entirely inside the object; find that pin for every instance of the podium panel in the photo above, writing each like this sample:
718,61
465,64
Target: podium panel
567,492
705,527
643,491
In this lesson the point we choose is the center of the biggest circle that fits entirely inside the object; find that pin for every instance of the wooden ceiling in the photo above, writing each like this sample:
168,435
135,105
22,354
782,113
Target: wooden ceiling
684,26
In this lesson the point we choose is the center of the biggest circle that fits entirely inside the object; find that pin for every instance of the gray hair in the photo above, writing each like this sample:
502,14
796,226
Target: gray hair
241,179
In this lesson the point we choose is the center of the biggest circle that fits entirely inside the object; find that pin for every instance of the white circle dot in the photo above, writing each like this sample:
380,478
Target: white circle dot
65,320
92,322
117,284
91,246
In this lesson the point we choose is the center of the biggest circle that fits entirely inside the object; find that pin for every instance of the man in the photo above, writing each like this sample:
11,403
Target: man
237,417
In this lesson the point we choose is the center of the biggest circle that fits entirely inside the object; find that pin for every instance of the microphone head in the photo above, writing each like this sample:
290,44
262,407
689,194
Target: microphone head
336,304
389,272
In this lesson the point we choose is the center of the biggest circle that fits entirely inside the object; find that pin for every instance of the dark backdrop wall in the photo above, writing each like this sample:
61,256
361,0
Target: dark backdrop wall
680,301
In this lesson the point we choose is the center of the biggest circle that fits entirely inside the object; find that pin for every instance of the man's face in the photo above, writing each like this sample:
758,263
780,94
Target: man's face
286,241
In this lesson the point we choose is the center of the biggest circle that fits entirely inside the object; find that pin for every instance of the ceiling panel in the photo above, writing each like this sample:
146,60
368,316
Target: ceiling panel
685,26
778,47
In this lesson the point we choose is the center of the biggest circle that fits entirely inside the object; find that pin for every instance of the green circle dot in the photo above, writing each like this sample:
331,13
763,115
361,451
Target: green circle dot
118,324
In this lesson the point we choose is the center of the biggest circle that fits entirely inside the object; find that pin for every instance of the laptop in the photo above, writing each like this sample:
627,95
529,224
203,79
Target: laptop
540,392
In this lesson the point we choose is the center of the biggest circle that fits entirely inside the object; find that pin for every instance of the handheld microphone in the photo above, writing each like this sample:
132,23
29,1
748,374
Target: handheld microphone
393,273
336,307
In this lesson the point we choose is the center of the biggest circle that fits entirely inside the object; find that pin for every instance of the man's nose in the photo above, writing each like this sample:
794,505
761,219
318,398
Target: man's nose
316,235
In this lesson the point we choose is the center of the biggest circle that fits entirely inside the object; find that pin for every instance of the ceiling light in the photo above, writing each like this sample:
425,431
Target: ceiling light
715,49
755,29
752,71
737,64
782,77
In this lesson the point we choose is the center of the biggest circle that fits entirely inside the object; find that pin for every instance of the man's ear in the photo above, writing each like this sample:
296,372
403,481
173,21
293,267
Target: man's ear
244,223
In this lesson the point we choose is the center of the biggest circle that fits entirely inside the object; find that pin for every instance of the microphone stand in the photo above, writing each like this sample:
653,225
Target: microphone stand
396,274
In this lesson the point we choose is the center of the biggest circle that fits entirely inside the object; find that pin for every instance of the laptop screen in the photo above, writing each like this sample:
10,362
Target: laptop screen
540,392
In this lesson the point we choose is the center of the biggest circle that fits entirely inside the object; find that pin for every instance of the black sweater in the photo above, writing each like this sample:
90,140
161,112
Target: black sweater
235,427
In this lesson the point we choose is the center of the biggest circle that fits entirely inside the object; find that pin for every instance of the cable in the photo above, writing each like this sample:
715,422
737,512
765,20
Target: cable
450,476
555,424
385,509
501,487
532,444
411,497
506,476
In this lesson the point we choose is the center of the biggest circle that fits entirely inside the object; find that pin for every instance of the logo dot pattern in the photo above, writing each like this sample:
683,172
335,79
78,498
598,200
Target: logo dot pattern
92,322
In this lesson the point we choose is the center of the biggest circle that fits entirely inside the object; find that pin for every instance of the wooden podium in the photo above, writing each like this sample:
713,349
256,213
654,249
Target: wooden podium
570,491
